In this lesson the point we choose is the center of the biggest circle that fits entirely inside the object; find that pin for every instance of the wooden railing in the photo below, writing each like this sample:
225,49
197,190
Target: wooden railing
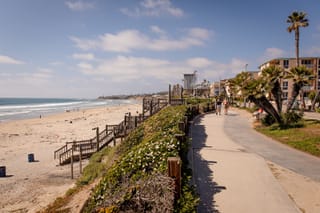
77,150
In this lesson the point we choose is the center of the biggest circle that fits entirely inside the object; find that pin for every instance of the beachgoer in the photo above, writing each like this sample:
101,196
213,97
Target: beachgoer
218,107
226,107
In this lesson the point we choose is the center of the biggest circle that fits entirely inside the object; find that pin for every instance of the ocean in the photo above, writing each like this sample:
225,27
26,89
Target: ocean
23,108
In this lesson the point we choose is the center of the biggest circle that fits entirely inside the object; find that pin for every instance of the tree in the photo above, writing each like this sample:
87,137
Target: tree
273,75
300,76
238,84
297,20
255,90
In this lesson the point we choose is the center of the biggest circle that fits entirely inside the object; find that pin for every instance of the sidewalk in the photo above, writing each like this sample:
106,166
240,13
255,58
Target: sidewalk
230,179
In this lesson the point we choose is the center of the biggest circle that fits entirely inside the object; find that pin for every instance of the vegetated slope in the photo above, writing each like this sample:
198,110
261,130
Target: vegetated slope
137,182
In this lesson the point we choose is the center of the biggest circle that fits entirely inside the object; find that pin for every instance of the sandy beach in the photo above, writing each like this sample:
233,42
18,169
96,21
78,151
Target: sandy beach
29,187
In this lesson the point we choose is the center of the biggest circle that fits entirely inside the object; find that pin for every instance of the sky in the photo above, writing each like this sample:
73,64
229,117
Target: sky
91,48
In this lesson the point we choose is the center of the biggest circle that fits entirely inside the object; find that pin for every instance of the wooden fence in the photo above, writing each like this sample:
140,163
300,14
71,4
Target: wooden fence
77,150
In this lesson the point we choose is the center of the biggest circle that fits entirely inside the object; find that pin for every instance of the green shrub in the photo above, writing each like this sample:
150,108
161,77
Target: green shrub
143,156
268,120
292,117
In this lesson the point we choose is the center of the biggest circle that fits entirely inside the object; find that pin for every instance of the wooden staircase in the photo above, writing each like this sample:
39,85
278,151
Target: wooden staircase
78,150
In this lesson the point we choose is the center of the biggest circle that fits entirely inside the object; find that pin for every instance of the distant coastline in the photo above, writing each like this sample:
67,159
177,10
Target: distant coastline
135,96
22,108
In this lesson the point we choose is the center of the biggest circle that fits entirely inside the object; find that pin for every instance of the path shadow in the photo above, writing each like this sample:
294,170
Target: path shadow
203,176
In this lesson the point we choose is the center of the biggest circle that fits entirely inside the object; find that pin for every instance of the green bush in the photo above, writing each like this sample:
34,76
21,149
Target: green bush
143,156
268,120
292,117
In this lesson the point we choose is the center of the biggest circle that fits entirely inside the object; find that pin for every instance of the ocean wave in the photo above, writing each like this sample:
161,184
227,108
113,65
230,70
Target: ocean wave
2,114
31,110
43,105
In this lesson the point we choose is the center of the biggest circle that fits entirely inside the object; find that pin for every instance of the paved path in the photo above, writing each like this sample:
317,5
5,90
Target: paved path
229,176
239,129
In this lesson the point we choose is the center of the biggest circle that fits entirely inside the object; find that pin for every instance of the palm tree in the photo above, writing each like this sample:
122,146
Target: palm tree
301,76
240,82
256,90
273,75
297,20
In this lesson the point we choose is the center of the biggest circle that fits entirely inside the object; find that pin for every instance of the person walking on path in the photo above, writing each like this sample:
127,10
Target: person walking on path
226,106
218,107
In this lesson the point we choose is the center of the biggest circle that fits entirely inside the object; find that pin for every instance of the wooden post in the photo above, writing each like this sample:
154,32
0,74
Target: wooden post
129,118
124,130
135,121
182,127
143,105
97,136
151,110
71,159
114,136
186,125
174,171
107,129
80,159
169,95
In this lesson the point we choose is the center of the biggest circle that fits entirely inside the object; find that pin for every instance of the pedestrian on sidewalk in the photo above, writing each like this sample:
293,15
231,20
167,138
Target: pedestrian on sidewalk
218,106
226,106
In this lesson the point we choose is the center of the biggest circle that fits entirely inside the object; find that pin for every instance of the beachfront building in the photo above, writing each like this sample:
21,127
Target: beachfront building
177,91
202,89
189,83
312,63
215,89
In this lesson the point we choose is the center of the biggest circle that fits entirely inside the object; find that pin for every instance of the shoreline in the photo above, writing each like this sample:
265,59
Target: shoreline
29,187
23,111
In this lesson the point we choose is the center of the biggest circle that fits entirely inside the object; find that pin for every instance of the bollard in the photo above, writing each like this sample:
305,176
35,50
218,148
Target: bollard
3,171
30,157
174,171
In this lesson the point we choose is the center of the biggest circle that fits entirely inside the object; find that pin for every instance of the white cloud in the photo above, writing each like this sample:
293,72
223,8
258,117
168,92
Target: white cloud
158,31
87,56
271,53
199,33
79,5
129,40
85,66
124,41
127,69
199,62
56,63
8,60
84,44
153,8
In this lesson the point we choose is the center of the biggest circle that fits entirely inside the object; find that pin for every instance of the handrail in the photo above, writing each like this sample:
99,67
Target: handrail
106,136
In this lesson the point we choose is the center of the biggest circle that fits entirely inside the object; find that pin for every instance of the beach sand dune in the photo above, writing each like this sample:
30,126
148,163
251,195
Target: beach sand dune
30,186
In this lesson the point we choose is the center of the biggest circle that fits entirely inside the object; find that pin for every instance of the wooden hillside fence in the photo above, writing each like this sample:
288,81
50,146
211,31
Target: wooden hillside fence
76,150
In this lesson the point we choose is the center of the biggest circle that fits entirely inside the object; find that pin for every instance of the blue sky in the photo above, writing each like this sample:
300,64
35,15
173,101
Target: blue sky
88,48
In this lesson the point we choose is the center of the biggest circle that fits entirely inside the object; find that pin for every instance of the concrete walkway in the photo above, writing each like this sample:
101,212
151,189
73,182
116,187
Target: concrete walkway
228,177
238,127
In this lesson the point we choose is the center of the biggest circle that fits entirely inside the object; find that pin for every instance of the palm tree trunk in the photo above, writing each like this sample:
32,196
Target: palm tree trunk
264,103
302,98
297,34
295,92
277,94
315,100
